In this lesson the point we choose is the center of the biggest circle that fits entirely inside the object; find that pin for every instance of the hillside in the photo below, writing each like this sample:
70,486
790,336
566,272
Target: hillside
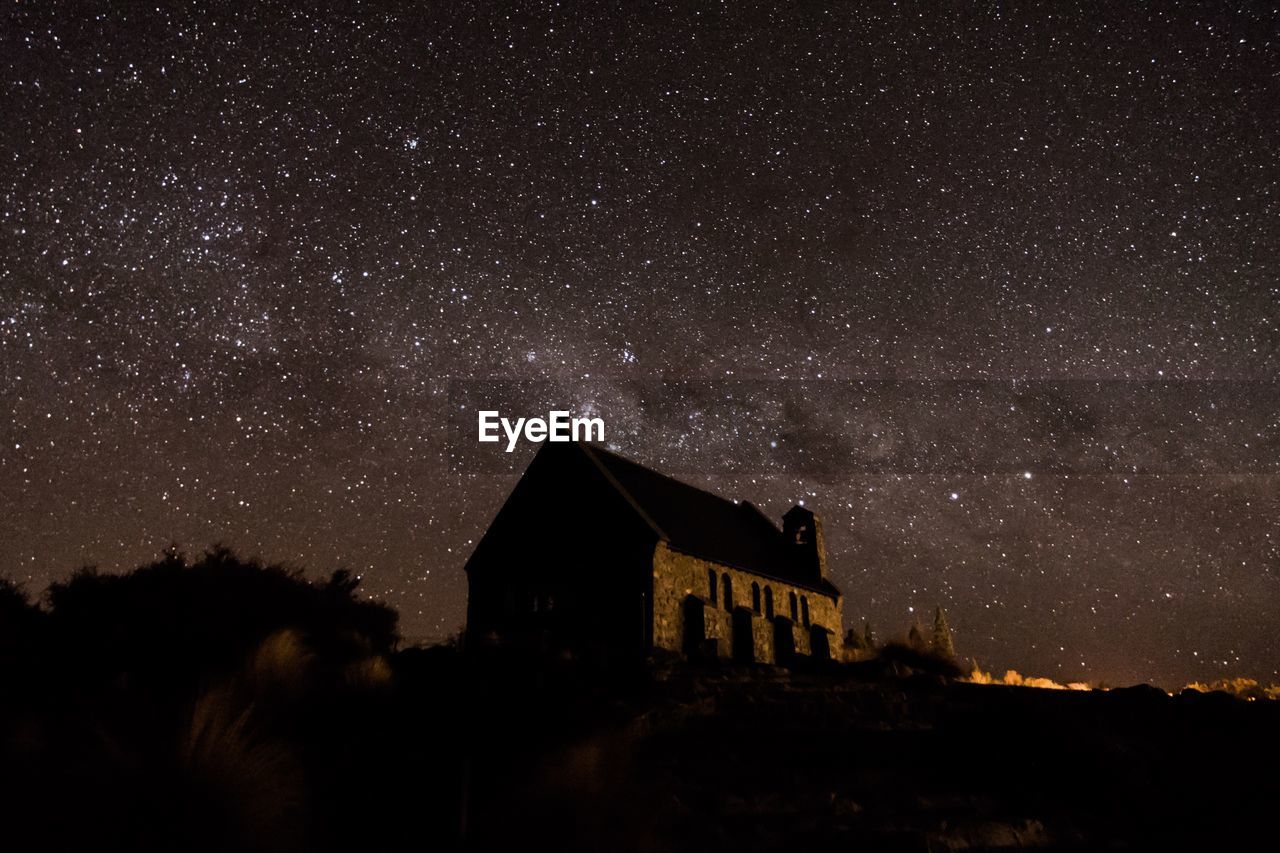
762,760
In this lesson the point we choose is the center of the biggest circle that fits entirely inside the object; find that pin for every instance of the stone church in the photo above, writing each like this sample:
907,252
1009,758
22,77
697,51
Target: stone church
597,556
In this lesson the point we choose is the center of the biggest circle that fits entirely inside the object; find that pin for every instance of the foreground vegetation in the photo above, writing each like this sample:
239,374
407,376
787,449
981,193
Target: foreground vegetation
225,705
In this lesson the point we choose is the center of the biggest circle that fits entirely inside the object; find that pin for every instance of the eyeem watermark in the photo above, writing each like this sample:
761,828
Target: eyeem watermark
558,426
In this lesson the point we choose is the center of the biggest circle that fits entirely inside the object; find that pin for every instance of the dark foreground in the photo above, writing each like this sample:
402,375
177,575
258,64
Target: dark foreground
501,756
223,706
755,760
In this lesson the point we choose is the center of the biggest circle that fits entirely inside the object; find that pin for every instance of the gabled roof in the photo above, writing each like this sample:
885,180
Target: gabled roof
703,524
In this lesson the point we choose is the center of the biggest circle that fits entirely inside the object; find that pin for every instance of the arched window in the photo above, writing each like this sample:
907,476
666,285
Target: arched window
804,610
794,614
755,596
727,583
711,583
768,601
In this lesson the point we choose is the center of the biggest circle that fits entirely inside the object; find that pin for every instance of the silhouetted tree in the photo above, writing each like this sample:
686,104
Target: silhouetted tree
915,639
943,645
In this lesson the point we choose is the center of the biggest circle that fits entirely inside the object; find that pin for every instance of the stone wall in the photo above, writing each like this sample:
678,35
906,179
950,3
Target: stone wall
676,576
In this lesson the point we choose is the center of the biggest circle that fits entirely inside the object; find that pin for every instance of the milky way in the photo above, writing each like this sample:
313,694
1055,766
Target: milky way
993,290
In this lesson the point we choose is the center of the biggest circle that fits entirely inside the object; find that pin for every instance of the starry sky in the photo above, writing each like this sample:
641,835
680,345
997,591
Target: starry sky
992,287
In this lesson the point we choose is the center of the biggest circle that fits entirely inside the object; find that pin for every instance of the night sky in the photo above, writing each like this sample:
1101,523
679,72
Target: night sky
993,289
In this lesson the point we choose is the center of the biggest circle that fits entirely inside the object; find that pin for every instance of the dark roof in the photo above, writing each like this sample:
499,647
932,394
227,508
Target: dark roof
705,525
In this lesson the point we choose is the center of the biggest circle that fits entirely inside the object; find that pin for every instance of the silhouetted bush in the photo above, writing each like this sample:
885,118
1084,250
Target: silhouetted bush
170,621
216,705
908,660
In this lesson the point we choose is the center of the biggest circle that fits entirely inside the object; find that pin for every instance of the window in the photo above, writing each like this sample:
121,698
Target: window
711,582
768,601
727,583
804,610
794,614
755,596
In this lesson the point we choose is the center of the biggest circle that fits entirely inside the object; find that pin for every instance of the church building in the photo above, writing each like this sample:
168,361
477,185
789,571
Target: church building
597,556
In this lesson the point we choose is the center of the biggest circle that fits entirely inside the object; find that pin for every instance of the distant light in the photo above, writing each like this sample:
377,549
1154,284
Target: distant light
1026,475
955,496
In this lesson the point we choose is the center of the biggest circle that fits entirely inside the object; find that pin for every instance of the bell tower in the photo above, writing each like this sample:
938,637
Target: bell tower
803,533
